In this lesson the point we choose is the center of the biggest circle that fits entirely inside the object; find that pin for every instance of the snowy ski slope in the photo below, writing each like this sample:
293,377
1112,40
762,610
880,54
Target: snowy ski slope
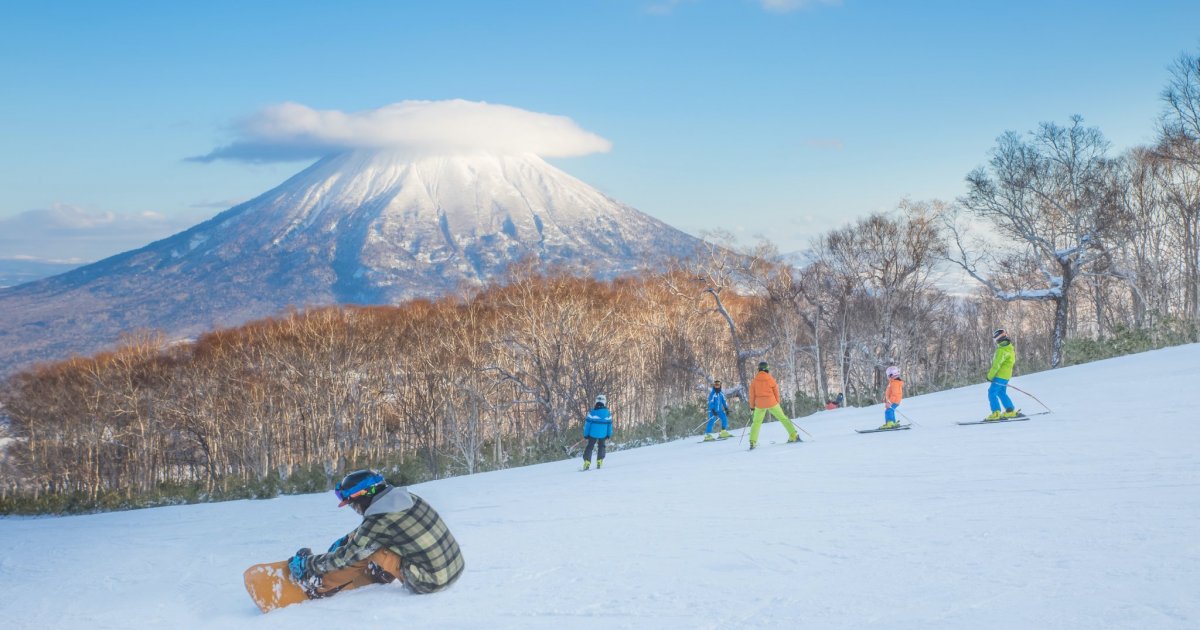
1086,518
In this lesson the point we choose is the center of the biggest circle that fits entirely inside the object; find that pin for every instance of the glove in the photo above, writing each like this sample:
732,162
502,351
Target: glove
300,564
338,543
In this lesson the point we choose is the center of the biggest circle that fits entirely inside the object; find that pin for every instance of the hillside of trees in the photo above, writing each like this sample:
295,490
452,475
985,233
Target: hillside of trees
1079,252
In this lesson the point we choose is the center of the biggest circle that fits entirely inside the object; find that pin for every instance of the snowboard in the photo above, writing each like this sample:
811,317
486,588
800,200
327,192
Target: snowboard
271,586
899,428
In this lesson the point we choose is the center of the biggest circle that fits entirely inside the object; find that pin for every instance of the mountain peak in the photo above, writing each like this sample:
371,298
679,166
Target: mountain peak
361,227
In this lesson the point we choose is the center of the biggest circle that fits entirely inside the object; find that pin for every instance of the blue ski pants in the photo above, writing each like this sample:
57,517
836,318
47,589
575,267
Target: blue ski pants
713,414
998,395
889,412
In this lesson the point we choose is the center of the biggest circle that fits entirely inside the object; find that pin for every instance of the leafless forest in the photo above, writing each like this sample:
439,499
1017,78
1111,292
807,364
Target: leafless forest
1078,252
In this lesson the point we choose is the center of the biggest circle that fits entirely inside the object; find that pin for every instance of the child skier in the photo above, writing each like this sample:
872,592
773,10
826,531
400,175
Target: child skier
892,397
400,537
764,397
597,428
999,375
718,407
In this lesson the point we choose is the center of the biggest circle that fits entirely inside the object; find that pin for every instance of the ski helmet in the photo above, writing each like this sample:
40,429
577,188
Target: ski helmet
359,484
893,371
717,383
763,367
999,334
601,399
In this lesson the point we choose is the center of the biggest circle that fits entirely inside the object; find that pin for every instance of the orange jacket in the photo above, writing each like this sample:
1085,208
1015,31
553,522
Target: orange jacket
764,391
895,391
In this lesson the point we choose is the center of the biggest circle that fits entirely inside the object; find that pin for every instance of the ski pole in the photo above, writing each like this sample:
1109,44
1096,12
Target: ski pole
910,420
1031,396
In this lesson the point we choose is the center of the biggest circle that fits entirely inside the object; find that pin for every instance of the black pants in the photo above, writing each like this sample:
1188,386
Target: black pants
587,452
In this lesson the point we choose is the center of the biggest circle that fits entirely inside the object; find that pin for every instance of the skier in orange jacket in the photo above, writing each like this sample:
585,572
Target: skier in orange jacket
892,397
764,397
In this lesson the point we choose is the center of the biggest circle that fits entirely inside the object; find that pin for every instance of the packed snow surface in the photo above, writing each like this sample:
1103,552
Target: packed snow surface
1085,518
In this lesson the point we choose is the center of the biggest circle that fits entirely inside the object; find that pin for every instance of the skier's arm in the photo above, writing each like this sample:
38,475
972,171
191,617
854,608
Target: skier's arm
997,361
356,549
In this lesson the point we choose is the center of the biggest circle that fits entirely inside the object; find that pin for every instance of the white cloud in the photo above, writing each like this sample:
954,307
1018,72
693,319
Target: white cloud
786,6
291,131
68,232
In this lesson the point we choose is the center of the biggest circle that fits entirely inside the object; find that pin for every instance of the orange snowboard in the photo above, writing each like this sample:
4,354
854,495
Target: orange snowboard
271,586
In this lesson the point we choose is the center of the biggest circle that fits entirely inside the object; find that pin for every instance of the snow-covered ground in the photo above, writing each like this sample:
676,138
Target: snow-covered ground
1086,518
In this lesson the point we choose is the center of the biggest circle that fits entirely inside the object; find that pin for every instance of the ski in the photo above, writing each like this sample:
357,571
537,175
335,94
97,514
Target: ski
1020,418
720,439
897,428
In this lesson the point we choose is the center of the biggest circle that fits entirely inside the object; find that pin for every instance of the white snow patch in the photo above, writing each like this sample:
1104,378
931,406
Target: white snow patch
1080,519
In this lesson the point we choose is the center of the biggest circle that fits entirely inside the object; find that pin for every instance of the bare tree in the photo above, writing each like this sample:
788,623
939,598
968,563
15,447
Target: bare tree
1052,202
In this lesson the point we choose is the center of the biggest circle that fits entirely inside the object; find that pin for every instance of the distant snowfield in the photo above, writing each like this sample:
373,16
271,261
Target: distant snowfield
1086,518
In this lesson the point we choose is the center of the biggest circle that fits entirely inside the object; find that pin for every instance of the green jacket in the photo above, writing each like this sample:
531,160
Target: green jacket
1002,362
407,525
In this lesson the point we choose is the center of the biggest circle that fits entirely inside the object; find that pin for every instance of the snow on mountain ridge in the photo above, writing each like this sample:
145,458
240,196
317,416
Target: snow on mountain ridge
364,227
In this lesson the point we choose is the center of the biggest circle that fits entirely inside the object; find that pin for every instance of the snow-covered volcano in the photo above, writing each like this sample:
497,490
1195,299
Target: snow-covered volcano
362,227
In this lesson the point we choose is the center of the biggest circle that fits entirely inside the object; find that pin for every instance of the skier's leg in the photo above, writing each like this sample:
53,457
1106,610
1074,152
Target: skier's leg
777,411
600,453
994,395
380,567
755,424
889,414
724,420
587,450
712,418
1002,394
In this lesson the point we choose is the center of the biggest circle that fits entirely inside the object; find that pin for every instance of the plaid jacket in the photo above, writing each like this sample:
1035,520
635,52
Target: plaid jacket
408,526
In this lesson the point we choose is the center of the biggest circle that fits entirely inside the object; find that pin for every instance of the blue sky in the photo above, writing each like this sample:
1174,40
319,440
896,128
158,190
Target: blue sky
757,116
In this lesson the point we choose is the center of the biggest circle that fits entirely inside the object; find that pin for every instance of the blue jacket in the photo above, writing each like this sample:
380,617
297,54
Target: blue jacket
598,424
716,401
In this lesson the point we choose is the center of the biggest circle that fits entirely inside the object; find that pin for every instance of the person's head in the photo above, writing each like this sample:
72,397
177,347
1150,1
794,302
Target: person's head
893,372
359,489
717,384
763,367
601,400
999,335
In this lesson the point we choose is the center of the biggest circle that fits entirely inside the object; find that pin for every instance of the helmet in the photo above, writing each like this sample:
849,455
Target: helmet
999,334
601,399
893,371
763,367
359,484
717,382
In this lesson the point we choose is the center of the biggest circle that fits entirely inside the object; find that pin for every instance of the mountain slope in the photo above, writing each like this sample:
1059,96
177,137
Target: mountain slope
359,227
1080,519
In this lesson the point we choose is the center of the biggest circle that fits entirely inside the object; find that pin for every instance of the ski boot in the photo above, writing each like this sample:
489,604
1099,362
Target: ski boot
795,437
587,463
599,463
995,415
753,444
708,437
724,435
1011,413
890,424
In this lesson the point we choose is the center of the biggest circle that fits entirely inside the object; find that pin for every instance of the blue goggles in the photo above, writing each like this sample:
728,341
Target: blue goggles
362,488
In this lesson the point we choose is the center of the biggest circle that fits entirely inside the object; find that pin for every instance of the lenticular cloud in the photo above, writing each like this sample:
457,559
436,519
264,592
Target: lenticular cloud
291,131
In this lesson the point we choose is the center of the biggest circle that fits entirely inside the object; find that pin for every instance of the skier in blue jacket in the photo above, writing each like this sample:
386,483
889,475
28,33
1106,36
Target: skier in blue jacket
718,407
597,428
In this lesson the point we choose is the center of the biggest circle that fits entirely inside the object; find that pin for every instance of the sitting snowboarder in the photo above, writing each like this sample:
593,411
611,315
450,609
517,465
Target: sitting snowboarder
400,537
